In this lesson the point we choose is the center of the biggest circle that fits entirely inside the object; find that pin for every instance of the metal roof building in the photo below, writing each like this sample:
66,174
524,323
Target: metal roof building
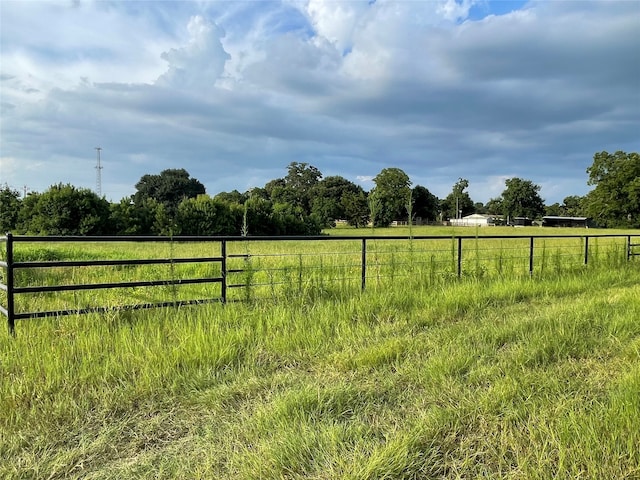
557,221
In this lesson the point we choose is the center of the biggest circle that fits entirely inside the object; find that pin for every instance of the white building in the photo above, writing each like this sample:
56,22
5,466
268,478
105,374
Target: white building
474,220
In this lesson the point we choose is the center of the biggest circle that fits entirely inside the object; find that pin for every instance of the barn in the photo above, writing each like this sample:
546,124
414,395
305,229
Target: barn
557,221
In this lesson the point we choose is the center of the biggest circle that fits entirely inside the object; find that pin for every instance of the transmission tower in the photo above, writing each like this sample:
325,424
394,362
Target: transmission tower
99,174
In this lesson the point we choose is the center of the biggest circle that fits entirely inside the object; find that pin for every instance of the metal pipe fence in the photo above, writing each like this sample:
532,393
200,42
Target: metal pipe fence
240,263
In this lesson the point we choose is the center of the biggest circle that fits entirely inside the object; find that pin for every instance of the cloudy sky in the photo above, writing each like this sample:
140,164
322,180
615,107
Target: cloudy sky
235,91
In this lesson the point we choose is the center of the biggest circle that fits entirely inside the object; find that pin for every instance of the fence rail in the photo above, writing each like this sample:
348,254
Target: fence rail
366,258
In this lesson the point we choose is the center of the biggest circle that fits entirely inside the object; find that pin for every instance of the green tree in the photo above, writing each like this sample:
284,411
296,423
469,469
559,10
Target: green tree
300,181
327,198
10,205
554,210
494,206
276,191
573,206
257,192
521,199
425,204
168,188
458,203
65,210
127,218
234,196
259,217
392,190
295,188
164,223
356,208
204,215
291,220
374,204
615,200
479,207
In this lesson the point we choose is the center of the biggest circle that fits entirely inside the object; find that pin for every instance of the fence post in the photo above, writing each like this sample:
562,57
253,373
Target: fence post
459,257
10,287
364,263
586,250
223,268
531,256
628,248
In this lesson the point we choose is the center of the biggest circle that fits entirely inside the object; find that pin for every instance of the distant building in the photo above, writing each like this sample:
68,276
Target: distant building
403,223
521,222
474,220
556,221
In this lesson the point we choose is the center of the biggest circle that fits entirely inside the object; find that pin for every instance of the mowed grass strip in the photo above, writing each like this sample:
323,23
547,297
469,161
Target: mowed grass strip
500,378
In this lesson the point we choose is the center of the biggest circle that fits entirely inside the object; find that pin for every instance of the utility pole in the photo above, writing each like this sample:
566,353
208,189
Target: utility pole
99,174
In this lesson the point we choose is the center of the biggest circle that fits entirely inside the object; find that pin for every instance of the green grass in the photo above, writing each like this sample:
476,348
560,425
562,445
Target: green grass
276,270
498,376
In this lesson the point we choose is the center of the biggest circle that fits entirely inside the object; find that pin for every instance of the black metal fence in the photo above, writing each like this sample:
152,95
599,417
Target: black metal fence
247,266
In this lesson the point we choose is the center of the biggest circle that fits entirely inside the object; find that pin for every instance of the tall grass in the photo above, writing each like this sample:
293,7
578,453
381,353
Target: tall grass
260,270
499,376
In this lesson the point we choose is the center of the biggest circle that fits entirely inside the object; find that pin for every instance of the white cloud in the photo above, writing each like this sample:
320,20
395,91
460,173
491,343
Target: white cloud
338,21
456,10
365,178
200,63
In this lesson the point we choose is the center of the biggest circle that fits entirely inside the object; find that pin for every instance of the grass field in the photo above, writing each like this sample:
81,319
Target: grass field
276,269
493,376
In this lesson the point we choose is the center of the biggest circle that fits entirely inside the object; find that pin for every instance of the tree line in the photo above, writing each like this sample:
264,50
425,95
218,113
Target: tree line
304,202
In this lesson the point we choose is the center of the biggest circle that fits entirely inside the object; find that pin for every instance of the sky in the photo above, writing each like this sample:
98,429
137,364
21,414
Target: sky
234,92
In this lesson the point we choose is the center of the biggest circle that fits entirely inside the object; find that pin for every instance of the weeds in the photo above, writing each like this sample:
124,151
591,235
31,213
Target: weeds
503,376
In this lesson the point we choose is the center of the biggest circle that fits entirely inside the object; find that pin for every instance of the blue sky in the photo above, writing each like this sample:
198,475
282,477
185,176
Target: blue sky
235,91
479,10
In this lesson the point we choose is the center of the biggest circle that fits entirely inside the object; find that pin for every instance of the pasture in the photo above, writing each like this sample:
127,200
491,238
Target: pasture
340,265
423,374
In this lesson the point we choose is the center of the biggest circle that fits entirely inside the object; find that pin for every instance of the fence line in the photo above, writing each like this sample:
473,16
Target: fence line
11,266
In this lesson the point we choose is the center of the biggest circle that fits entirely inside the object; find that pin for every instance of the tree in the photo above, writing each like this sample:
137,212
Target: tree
65,210
425,204
521,199
204,215
302,177
9,208
291,220
127,218
458,203
234,196
257,192
327,198
393,192
554,210
615,200
259,216
572,206
479,208
494,206
356,209
299,182
169,188
274,190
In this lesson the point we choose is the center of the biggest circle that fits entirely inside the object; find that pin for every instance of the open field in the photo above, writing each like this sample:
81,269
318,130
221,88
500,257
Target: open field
341,264
494,375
